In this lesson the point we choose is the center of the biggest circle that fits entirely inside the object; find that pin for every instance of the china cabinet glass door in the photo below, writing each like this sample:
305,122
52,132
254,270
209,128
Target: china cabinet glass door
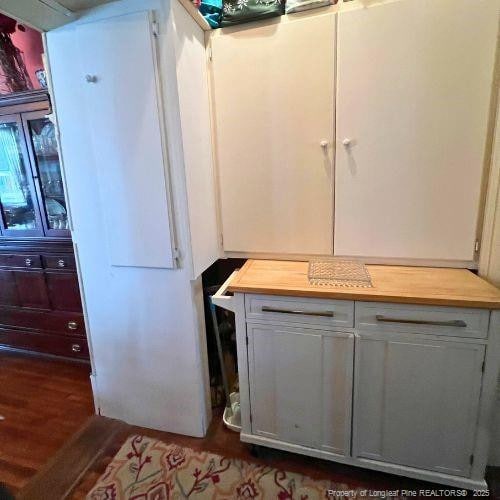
18,206
40,132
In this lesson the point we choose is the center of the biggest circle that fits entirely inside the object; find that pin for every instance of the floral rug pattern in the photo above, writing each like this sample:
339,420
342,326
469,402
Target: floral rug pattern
147,469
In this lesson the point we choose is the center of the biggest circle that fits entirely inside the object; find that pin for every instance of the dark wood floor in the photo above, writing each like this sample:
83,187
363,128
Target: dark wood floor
44,402
76,469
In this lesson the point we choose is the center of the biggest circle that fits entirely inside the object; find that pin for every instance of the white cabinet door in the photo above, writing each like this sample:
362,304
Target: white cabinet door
416,400
120,82
273,101
413,92
301,386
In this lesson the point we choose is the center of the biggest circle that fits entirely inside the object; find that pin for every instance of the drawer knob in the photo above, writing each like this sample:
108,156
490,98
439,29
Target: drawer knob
28,262
72,325
76,347
61,263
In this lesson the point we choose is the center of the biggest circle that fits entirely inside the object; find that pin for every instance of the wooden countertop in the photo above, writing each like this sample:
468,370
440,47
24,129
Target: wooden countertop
411,285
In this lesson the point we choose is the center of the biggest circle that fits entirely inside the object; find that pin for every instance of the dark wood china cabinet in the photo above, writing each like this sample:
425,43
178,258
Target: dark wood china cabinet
40,305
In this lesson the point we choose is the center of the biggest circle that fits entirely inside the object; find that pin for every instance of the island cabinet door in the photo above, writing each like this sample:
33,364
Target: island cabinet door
301,386
416,401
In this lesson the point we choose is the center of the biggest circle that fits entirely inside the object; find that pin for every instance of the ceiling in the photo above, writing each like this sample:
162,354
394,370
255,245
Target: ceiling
46,15
76,5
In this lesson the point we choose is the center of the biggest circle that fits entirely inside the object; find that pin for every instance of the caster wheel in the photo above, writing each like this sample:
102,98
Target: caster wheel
255,451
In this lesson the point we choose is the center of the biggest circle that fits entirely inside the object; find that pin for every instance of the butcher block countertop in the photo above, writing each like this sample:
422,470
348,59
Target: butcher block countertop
411,285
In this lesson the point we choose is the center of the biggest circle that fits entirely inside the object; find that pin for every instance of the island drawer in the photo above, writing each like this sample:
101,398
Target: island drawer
328,313
431,320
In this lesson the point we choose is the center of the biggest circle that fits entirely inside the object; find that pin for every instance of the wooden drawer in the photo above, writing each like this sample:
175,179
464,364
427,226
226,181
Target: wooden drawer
327,313
431,320
62,262
28,261
71,347
48,321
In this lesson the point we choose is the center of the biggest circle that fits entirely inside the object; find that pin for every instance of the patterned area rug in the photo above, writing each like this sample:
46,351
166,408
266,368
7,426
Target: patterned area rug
147,469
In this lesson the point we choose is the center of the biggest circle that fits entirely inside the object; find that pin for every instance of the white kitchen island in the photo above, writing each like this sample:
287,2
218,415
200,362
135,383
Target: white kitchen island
399,377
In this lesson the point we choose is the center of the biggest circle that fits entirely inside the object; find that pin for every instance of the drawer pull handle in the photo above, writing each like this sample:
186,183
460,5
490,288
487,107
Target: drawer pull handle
28,262
327,314
61,263
72,325
76,347
454,322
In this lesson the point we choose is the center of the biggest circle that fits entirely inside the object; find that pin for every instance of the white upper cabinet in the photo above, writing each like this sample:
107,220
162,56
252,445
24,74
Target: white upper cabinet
121,87
414,81
273,95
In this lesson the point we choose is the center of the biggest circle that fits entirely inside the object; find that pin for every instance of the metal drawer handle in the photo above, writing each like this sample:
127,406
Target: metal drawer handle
76,347
28,262
454,322
327,314
61,263
72,325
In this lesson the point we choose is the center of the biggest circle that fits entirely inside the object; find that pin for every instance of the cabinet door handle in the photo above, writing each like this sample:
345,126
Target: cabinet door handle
76,347
327,314
28,262
72,325
454,322
61,263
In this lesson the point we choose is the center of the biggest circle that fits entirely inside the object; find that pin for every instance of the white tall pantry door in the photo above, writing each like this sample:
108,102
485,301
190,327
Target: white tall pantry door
414,82
121,88
273,95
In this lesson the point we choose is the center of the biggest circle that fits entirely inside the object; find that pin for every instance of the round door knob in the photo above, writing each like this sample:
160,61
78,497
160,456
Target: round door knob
91,78
76,347
347,142
324,144
72,325
28,262
61,263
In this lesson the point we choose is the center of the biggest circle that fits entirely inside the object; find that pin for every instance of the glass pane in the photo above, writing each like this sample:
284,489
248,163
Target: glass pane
15,195
49,170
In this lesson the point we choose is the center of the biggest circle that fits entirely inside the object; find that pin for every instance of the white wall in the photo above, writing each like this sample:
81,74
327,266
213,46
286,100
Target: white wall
489,265
146,326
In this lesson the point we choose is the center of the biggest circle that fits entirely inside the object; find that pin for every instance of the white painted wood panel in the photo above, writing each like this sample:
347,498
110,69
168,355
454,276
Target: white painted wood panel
300,385
414,81
194,105
145,325
273,99
127,122
416,401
